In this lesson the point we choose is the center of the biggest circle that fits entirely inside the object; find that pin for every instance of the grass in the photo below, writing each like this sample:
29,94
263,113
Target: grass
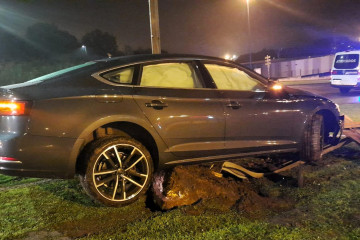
328,207
8,181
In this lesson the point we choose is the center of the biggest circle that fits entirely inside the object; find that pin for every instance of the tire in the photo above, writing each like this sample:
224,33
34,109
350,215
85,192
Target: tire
313,142
118,171
344,90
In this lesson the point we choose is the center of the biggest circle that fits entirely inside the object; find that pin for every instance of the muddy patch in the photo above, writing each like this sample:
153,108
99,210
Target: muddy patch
201,189
45,235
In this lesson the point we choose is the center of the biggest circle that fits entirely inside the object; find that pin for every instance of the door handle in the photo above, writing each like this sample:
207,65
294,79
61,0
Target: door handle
156,104
233,105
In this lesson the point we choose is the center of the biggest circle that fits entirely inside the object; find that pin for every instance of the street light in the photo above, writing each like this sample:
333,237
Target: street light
83,47
230,57
249,29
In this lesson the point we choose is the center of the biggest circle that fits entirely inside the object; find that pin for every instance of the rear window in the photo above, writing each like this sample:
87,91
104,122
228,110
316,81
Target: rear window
346,61
122,76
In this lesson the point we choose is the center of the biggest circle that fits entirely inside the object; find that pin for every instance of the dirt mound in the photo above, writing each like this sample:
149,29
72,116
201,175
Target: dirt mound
188,185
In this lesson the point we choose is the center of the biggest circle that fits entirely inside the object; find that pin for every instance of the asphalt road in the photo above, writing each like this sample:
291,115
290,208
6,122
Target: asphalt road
349,103
325,90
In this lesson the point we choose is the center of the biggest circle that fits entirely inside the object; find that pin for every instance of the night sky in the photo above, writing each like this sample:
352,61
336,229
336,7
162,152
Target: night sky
208,27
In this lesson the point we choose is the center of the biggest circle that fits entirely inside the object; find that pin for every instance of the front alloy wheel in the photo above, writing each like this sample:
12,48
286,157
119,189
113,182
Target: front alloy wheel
118,172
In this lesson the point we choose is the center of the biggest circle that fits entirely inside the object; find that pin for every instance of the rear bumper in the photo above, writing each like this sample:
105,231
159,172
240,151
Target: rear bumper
345,81
346,86
36,156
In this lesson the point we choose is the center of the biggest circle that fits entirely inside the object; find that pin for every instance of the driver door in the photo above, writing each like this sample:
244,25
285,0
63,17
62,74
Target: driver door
253,122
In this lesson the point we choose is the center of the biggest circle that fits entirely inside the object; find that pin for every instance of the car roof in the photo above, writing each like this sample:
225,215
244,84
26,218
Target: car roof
144,58
157,57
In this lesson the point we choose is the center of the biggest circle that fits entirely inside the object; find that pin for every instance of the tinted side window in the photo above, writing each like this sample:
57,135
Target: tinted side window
122,76
346,61
230,78
170,75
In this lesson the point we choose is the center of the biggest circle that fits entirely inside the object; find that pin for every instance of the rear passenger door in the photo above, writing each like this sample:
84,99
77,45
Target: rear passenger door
188,116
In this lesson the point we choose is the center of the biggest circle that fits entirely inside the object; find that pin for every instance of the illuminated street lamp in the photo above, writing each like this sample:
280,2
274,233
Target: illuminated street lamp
249,29
83,47
230,57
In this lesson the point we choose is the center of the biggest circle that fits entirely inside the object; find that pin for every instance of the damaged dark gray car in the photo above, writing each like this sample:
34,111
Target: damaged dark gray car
116,121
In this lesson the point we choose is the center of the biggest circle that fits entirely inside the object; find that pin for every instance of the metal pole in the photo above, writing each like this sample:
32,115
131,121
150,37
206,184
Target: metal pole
249,28
154,26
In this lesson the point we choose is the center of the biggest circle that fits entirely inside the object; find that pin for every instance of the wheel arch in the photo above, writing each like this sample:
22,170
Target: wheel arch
331,124
115,126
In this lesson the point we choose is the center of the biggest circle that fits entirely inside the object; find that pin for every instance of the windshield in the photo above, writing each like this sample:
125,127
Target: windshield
347,61
60,72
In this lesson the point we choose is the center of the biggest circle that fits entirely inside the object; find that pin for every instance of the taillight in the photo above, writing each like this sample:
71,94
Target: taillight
13,108
8,159
334,72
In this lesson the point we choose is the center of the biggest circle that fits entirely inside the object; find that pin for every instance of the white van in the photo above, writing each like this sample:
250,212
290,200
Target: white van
345,73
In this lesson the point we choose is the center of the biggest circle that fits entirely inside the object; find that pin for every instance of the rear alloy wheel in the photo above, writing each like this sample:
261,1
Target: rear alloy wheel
119,170
313,144
344,90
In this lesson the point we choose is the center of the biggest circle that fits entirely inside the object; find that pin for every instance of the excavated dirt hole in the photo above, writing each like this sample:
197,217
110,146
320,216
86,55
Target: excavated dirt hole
198,189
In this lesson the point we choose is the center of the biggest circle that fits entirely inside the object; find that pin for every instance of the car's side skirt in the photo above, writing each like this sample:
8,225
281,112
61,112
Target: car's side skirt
230,156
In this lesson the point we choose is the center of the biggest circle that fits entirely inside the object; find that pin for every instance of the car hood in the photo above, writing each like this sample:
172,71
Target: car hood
302,94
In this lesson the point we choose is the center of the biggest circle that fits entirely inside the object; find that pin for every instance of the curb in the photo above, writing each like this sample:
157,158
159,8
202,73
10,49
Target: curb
299,81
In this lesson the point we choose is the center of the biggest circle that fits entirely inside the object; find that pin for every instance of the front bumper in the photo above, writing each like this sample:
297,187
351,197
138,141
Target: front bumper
338,134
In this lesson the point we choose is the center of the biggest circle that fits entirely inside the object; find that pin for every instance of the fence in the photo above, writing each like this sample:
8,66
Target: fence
297,68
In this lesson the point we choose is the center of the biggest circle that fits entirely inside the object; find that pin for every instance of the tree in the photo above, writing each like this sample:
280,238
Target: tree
14,48
100,43
49,39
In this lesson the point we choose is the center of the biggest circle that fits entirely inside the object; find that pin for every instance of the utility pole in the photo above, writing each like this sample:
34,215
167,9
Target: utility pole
154,26
268,63
249,29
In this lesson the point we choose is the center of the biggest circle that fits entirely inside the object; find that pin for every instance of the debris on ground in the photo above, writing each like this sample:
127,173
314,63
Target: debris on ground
199,185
